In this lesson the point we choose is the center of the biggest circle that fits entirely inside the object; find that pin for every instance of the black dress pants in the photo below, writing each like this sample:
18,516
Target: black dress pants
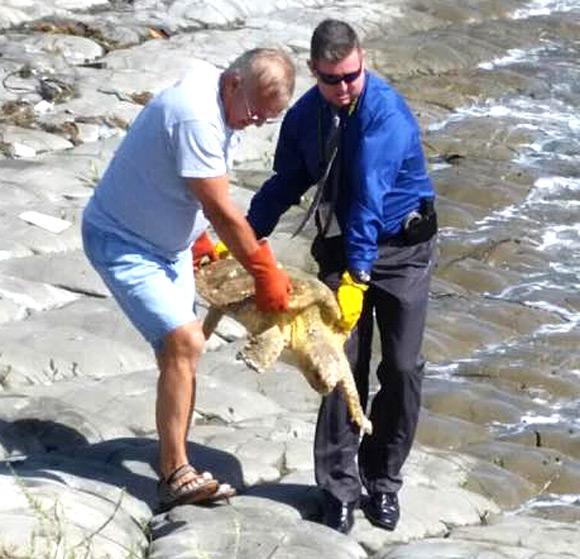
397,298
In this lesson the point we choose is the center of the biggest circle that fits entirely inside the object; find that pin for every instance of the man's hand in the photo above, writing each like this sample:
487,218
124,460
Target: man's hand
203,248
350,300
272,283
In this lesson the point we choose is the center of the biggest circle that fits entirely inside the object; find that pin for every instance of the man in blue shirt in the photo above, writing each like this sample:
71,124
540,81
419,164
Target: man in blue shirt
375,245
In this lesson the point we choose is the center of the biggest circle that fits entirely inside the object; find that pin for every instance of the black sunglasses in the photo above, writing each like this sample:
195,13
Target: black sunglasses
335,79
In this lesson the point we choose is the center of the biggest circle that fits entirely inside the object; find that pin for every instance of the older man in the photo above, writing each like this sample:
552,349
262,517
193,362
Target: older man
168,175
354,136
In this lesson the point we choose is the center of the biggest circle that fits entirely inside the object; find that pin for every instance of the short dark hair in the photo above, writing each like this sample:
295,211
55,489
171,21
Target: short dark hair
333,40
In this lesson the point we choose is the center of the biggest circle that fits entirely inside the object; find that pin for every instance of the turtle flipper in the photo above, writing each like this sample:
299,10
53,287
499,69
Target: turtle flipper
349,393
211,321
262,349
318,360
325,366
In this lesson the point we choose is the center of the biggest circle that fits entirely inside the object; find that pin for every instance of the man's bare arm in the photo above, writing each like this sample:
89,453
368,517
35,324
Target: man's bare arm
271,283
227,220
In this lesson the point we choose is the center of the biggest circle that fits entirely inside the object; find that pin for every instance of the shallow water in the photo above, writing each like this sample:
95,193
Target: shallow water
545,7
548,219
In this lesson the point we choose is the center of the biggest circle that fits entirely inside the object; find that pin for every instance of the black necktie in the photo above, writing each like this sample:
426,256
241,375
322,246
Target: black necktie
330,151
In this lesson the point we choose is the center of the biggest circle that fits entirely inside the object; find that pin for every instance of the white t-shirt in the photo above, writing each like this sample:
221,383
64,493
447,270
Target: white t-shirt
182,133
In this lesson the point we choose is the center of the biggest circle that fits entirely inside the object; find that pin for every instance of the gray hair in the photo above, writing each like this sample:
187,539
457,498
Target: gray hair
333,40
269,72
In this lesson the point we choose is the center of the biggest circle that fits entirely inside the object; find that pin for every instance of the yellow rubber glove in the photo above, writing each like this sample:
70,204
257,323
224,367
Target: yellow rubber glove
350,300
222,250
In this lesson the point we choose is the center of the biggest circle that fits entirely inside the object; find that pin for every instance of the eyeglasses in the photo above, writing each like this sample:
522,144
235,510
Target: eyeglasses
256,117
251,114
335,79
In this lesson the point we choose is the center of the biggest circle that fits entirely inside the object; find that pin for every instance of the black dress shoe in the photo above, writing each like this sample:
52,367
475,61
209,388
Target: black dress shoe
382,509
338,515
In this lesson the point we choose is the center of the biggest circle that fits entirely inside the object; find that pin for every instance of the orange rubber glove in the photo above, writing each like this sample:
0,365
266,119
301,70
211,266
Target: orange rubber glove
203,249
272,283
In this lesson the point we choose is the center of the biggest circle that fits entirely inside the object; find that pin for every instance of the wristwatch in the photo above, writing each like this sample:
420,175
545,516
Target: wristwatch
360,276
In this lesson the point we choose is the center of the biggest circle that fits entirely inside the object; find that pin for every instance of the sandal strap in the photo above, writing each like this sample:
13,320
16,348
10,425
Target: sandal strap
176,491
180,472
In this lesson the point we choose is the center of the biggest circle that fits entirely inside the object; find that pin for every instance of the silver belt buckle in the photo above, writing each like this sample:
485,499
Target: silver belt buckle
412,219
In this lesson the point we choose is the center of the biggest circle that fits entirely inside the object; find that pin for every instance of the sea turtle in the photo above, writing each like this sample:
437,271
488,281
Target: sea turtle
309,330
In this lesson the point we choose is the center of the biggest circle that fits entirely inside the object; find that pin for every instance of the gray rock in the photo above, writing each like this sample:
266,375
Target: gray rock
31,295
426,512
31,354
477,276
15,441
218,371
267,448
456,214
250,527
543,537
23,239
444,549
297,490
507,489
44,513
456,90
9,310
445,432
69,270
56,424
28,143
548,469
475,402
452,333
487,188
456,47
87,410
101,318
248,444
45,180
535,381
33,48
286,385
559,437
15,12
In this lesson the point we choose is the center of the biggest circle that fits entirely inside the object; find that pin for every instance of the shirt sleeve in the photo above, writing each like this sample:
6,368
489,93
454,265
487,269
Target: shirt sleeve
383,145
199,150
285,187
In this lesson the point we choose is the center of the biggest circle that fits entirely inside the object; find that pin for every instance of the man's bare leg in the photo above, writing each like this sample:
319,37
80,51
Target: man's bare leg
175,405
176,393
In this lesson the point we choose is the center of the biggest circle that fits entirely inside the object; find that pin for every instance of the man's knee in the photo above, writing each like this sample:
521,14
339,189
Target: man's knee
401,371
185,342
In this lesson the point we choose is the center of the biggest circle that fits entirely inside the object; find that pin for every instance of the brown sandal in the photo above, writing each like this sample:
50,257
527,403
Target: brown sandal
201,488
224,493
175,491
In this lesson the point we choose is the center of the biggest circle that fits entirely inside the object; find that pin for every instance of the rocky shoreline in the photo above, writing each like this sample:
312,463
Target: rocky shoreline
77,384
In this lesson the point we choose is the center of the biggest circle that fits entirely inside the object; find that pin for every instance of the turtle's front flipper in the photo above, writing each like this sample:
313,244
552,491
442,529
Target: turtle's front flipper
347,388
211,320
262,349
318,360
325,366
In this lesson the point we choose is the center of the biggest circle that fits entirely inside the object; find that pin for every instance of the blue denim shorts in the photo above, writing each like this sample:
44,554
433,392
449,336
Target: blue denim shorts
156,294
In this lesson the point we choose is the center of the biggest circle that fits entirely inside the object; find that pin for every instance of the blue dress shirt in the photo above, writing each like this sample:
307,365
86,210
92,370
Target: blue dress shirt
383,175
